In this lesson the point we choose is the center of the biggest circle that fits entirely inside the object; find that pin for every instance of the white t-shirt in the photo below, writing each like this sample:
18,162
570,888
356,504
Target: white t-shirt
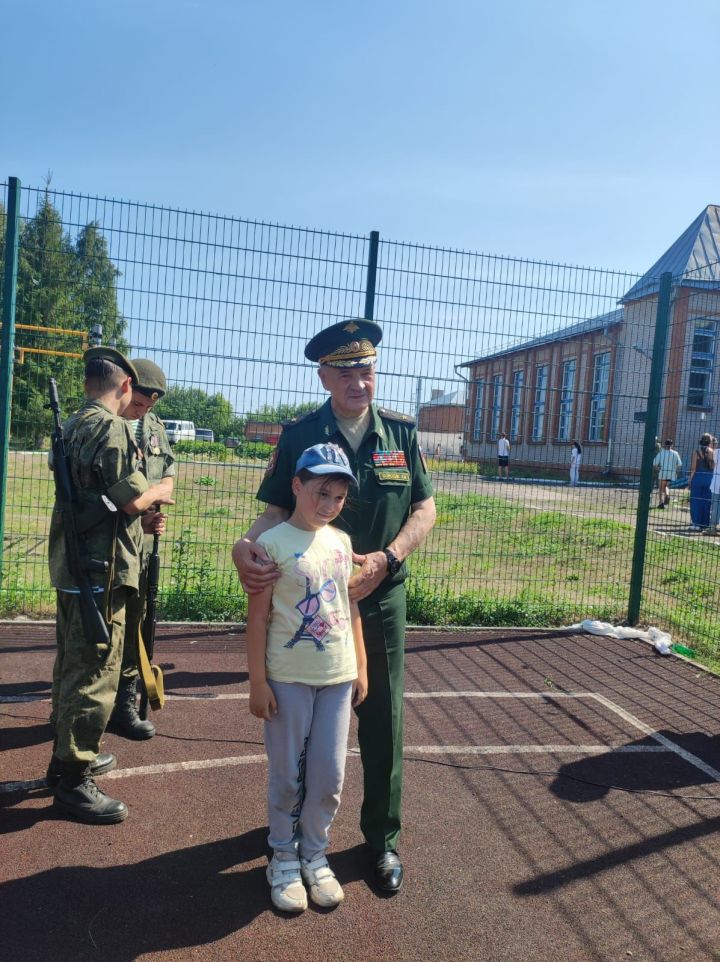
309,636
668,463
503,447
575,458
715,480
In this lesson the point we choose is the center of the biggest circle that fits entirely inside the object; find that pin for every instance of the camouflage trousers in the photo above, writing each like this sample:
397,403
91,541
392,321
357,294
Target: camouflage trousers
85,679
134,614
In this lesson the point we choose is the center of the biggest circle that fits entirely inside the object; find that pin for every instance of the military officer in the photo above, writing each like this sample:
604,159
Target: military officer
389,516
158,466
104,464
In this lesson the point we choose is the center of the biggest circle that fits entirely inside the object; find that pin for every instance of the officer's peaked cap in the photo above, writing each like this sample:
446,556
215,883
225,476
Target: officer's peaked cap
351,343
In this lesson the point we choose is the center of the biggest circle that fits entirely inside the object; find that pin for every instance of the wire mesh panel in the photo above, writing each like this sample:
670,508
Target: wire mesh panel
225,307
681,585
529,382
506,363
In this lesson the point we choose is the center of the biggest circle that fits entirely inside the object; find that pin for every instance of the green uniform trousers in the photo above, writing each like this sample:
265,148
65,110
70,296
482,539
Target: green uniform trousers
85,679
380,717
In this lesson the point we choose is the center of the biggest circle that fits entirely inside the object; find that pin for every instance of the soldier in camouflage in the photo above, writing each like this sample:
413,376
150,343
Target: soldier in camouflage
387,519
158,466
104,461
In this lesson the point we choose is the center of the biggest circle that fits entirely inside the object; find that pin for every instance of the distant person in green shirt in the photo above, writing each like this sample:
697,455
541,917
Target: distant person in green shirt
387,518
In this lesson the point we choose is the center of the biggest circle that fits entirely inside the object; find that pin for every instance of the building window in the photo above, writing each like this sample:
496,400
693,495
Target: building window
497,396
702,364
517,399
567,399
541,377
477,424
598,401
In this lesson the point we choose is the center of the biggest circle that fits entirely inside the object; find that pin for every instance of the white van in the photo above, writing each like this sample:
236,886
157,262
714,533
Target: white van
179,431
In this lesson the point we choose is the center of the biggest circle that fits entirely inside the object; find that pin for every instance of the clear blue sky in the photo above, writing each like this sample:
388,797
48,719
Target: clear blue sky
581,131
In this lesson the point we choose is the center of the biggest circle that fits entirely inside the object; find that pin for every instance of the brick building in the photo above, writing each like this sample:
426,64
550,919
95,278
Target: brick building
589,381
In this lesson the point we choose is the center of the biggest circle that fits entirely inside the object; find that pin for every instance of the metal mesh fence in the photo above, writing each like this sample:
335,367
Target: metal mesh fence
482,350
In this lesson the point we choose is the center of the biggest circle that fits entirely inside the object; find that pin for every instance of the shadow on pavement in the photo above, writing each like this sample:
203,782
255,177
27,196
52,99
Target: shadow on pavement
591,778
185,898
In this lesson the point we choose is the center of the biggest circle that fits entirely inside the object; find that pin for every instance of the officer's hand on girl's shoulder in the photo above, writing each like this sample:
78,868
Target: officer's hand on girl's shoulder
369,576
255,569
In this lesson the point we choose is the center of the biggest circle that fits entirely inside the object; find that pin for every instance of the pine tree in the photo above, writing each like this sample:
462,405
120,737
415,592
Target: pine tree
65,285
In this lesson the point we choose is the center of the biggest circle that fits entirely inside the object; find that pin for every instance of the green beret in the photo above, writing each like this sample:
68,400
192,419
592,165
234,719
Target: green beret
350,343
111,355
151,378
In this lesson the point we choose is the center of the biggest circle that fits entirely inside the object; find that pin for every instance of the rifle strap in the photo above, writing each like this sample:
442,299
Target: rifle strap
110,578
152,676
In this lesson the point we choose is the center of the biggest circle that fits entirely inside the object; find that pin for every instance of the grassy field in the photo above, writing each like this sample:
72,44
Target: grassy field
500,553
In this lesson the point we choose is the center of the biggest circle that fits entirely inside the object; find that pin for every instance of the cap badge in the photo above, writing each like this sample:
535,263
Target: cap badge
351,327
154,396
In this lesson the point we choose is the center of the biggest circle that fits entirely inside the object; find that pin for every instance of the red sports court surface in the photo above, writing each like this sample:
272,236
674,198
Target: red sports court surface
514,846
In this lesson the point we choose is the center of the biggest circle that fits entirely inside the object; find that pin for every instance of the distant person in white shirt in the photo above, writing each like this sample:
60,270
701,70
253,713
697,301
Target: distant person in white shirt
714,493
668,462
503,448
575,462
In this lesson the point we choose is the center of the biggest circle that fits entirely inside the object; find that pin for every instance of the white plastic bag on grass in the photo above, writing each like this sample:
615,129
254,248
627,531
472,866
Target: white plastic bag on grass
660,640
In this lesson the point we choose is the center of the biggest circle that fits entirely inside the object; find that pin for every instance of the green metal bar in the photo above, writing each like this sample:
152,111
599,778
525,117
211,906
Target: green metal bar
371,275
7,342
662,322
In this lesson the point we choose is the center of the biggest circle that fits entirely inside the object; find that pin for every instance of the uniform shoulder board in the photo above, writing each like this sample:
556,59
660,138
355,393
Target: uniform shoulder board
396,416
301,419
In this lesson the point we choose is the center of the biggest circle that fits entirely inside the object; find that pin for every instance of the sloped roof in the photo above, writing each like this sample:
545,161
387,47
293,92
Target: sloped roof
583,327
695,255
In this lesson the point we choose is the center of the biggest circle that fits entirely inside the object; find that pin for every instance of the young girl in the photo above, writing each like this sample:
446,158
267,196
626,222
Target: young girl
575,461
307,667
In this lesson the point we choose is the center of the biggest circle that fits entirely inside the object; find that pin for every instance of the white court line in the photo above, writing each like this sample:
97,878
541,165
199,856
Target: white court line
665,743
232,761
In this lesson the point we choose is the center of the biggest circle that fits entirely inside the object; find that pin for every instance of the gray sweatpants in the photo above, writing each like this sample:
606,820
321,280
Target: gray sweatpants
306,744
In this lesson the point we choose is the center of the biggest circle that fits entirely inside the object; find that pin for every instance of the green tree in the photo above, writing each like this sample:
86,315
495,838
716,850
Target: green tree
62,284
205,410
281,413
96,280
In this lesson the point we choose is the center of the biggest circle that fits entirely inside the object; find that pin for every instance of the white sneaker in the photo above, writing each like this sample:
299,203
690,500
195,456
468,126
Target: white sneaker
286,888
324,888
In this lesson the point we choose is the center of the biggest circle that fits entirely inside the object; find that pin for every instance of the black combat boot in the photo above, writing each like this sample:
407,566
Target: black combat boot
104,762
125,720
78,796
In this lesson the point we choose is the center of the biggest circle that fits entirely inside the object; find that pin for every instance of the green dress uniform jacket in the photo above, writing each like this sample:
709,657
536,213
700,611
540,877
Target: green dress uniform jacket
103,460
158,462
391,478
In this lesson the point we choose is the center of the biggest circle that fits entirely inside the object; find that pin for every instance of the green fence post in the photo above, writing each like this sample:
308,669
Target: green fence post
371,275
662,322
7,343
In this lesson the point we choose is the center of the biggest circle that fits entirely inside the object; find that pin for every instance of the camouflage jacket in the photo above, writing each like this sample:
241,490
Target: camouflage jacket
104,460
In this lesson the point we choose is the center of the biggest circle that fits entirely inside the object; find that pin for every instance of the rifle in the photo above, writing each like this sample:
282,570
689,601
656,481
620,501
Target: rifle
81,564
151,675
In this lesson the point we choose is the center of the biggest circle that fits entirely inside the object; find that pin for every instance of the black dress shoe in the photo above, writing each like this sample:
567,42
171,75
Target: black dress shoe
104,762
388,871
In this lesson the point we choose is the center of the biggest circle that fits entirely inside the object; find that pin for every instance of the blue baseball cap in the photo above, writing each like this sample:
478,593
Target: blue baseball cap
325,459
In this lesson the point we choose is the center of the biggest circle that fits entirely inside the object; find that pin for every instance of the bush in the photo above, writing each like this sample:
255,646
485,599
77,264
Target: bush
197,591
258,450
208,449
